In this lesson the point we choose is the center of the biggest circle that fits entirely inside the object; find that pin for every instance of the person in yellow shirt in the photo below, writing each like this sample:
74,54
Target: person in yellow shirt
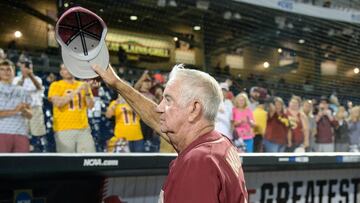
260,116
71,99
127,127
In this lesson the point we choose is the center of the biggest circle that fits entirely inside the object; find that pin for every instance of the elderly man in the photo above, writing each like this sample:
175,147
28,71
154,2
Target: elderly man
208,167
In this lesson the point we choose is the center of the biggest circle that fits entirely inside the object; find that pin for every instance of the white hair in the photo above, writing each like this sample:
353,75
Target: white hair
198,85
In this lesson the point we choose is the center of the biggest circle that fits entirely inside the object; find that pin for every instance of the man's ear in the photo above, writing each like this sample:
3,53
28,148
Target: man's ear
195,111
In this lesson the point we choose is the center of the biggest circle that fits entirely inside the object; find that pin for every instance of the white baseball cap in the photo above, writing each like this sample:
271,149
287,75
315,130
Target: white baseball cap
224,86
81,34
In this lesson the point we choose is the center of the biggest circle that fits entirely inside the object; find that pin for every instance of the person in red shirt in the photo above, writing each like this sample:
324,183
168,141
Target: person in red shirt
277,133
208,168
299,125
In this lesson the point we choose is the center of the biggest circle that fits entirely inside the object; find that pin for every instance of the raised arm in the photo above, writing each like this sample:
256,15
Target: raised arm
142,105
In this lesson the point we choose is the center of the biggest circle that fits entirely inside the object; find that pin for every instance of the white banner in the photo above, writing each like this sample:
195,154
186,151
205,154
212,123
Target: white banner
299,186
306,9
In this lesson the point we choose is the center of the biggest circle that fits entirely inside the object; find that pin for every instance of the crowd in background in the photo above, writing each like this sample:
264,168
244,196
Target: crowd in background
58,113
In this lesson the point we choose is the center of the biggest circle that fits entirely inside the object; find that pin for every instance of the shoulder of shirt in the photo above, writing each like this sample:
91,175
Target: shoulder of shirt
208,149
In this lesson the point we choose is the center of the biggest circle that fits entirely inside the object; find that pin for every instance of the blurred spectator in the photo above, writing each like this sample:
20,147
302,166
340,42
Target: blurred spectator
325,127
33,85
243,121
158,78
354,129
254,98
224,115
157,91
144,84
2,54
24,56
277,127
308,111
15,108
45,60
349,105
229,95
334,103
341,131
71,99
260,116
127,127
122,57
298,124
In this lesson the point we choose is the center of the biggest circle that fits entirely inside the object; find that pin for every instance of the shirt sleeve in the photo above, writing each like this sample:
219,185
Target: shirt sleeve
53,90
112,103
200,182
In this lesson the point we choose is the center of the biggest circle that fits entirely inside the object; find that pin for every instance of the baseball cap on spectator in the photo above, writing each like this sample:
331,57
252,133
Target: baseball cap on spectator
224,86
254,89
81,34
159,78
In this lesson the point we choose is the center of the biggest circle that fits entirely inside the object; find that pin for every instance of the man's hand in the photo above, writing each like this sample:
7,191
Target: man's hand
20,107
109,76
84,86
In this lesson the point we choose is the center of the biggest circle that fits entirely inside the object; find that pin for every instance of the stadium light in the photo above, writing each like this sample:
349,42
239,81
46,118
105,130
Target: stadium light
197,28
133,17
356,70
17,34
266,64
301,41
280,50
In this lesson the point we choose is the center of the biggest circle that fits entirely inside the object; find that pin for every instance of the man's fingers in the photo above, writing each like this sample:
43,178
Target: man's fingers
97,69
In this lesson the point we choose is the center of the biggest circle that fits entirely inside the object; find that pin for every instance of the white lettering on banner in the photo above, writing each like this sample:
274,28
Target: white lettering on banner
135,48
100,162
333,190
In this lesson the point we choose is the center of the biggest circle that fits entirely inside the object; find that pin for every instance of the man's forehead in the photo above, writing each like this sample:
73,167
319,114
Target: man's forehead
171,88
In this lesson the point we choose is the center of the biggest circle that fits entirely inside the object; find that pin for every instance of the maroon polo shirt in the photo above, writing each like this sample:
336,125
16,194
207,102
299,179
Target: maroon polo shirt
208,170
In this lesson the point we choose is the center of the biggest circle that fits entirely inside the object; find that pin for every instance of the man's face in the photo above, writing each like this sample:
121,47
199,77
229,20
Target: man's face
6,73
278,106
294,104
146,85
255,95
323,105
24,69
65,74
173,115
307,107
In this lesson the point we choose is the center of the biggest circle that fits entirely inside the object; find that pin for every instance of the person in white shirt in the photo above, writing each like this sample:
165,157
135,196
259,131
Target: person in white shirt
224,115
33,85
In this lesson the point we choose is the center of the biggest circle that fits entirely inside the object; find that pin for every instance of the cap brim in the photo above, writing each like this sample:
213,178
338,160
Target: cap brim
82,69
